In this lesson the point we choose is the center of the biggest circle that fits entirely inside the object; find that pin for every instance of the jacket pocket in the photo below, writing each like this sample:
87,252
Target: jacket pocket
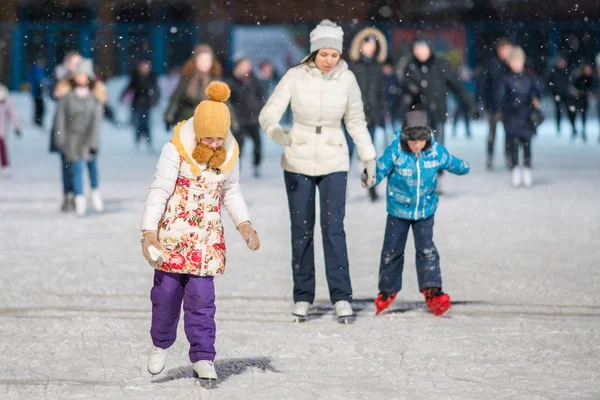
299,137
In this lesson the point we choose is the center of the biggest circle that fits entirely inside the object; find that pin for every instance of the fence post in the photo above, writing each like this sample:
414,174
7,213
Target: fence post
158,50
52,38
553,42
17,57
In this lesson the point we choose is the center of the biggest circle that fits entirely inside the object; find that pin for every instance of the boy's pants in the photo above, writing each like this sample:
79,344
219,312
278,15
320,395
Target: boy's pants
301,191
198,296
392,255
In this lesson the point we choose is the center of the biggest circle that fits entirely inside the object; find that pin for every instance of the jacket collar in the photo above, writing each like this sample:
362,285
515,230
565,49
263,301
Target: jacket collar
335,73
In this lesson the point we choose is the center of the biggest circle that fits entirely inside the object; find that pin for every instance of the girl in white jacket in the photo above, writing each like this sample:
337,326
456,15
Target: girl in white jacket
321,91
197,172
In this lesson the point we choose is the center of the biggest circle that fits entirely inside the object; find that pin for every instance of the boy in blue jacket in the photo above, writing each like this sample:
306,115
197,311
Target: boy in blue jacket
411,164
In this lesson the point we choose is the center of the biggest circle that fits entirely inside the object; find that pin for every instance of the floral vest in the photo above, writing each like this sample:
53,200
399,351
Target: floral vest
190,231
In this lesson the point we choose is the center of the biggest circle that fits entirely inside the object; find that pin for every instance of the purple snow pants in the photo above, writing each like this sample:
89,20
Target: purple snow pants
198,296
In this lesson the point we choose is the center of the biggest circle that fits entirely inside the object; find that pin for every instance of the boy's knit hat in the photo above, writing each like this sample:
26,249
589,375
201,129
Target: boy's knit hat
212,117
416,126
327,35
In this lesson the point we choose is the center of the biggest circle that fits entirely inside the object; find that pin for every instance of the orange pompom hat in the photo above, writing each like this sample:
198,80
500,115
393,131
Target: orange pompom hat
212,117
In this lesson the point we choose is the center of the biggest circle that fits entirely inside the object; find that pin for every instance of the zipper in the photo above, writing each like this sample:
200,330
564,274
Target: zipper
418,186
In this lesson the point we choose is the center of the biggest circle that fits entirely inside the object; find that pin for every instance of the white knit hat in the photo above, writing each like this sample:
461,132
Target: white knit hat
85,66
327,35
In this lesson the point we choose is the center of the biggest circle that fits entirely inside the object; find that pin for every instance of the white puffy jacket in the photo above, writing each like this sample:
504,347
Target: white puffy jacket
168,170
319,102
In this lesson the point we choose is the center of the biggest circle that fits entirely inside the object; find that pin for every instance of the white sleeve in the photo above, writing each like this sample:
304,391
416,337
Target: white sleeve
356,122
162,187
233,199
271,113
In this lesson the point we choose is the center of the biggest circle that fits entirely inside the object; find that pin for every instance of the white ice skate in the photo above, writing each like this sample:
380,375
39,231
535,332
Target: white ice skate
156,360
301,310
97,202
517,177
80,205
343,310
527,178
204,370
6,173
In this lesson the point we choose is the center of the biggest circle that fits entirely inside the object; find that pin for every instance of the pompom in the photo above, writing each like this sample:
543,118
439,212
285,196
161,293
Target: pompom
202,153
327,22
218,158
218,91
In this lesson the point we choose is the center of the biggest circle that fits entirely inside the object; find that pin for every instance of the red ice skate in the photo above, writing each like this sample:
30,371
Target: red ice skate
437,301
383,301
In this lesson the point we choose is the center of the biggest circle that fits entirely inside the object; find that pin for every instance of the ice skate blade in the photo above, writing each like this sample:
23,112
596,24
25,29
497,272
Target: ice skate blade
445,314
206,383
345,320
156,373
299,319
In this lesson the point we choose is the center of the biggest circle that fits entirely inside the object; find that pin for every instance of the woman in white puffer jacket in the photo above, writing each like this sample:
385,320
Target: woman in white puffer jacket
321,91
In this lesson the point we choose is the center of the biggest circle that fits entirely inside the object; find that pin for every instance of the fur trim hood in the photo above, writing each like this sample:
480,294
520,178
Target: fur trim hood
99,90
361,36
185,142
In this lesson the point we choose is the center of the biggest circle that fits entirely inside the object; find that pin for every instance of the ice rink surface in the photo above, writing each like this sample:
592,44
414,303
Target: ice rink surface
522,267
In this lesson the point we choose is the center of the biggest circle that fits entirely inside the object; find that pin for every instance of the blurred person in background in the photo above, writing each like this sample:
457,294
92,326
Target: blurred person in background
494,71
37,80
428,79
367,54
598,90
393,93
559,81
517,93
76,132
581,90
247,98
268,77
466,75
8,114
144,92
65,73
197,73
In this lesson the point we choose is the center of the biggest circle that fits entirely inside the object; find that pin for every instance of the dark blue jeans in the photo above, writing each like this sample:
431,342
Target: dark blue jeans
301,191
141,119
392,255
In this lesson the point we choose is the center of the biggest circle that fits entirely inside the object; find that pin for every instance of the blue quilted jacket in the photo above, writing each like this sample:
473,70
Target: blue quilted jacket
412,179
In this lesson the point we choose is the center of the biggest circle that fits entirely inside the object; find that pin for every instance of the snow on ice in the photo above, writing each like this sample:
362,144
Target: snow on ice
522,267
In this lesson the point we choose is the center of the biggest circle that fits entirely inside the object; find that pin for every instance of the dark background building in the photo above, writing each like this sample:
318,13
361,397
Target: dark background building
116,33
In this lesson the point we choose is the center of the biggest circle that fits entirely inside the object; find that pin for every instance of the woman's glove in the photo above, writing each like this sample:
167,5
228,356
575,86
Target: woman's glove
369,175
150,239
281,136
250,236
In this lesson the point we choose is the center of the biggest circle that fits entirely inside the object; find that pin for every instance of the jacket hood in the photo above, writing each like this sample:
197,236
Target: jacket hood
185,142
361,36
